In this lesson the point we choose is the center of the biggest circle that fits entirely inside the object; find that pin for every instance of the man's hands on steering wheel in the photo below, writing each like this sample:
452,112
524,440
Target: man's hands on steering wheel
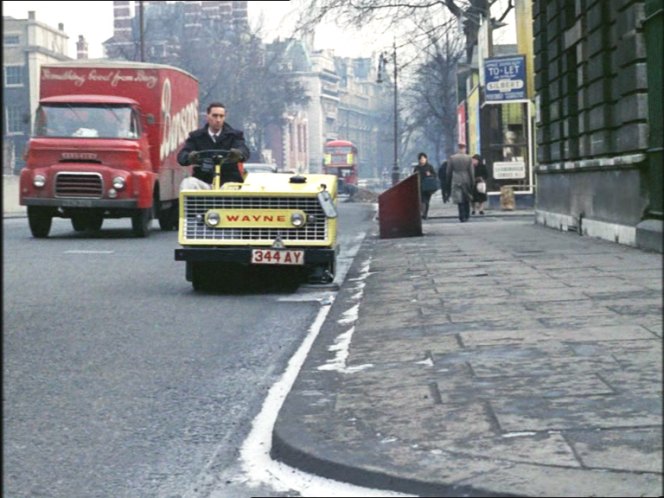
234,156
216,156
207,155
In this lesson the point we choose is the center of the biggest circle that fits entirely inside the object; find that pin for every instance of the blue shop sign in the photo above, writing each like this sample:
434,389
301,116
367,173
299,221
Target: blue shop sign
505,78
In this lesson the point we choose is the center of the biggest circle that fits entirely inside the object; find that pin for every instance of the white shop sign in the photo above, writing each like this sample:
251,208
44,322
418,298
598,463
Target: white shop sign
508,170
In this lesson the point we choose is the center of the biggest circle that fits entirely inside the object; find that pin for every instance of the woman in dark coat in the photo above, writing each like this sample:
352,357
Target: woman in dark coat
481,174
424,168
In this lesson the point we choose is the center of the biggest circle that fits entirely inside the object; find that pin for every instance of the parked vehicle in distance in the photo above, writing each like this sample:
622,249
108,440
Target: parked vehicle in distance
340,159
260,168
105,143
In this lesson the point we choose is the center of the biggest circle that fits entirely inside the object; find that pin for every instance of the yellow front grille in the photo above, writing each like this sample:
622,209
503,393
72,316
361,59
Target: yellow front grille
195,229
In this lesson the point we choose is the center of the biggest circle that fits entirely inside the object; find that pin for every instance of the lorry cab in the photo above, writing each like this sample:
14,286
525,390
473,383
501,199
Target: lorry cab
104,144
72,163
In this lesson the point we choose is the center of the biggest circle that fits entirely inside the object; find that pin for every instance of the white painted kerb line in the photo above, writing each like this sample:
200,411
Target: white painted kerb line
255,452
342,342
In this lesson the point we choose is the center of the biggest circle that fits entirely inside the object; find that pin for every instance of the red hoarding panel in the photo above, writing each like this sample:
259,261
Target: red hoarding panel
399,210
461,122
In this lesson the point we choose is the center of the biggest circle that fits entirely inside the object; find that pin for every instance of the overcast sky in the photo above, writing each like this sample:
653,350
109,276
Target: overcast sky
94,20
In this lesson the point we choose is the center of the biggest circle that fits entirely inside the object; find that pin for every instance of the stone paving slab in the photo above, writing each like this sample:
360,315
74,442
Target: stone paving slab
544,379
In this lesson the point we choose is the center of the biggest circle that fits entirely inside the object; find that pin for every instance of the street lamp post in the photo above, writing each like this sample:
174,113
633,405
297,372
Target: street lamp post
396,175
141,30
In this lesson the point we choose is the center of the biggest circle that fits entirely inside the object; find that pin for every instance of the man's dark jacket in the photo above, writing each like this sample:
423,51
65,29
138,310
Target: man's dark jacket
229,138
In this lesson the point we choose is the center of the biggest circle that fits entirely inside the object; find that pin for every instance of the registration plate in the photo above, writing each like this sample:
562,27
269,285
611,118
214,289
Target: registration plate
277,257
76,203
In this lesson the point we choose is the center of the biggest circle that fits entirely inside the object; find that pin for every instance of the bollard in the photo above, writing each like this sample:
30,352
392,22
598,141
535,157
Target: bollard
399,210
507,198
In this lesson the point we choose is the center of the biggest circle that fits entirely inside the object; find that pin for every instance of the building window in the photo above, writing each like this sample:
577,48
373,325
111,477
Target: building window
156,51
14,120
13,75
11,40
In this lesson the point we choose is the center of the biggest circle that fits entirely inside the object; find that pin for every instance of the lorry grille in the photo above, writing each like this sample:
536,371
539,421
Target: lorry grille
79,185
195,208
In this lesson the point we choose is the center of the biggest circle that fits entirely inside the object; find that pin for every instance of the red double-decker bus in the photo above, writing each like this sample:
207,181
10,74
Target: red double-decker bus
340,159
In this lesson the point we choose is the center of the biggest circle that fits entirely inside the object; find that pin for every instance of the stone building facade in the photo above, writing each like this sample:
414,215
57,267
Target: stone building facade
594,125
27,44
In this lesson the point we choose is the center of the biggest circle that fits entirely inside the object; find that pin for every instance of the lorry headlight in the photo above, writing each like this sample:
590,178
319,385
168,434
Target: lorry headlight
213,219
39,181
297,220
119,183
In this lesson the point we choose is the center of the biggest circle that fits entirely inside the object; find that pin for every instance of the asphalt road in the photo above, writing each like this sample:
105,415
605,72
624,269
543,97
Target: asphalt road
119,380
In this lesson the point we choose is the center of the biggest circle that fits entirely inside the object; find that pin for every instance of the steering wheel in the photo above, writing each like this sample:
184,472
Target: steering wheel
216,155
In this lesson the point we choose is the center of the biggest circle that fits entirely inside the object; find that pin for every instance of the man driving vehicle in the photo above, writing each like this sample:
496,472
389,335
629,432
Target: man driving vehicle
216,134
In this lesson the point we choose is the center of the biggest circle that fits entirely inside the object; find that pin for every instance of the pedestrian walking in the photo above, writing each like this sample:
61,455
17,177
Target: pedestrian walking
444,188
479,192
428,182
461,180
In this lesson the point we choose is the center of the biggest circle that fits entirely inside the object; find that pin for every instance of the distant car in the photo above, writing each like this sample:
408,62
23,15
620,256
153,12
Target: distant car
260,168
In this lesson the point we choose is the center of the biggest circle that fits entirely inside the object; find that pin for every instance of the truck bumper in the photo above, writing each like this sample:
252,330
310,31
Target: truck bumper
81,203
242,255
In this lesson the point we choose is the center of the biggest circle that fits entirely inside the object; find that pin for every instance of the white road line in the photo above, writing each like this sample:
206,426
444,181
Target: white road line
81,251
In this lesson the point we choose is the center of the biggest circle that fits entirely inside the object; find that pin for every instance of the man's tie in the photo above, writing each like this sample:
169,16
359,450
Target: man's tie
214,138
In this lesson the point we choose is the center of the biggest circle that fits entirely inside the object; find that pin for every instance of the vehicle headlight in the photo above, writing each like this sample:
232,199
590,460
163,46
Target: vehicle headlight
213,219
119,183
39,181
297,220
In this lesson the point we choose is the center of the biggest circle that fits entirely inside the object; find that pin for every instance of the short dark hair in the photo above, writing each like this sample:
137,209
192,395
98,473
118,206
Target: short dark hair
478,157
462,146
422,155
215,104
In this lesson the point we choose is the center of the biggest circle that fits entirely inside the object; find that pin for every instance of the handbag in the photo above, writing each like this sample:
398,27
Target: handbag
481,187
430,184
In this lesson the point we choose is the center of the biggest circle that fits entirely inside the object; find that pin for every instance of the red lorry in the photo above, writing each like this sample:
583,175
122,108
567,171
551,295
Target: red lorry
105,141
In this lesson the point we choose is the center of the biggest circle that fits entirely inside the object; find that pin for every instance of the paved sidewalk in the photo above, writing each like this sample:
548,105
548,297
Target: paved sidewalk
493,357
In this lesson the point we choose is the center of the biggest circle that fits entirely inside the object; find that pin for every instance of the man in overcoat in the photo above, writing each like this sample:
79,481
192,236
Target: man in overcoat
461,181
216,134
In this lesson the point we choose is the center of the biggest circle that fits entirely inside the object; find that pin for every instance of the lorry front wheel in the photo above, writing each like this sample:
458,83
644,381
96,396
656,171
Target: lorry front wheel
94,222
140,222
91,222
40,221
78,222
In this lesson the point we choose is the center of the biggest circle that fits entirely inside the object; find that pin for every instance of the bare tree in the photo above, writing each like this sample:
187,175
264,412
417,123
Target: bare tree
431,96
394,13
231,63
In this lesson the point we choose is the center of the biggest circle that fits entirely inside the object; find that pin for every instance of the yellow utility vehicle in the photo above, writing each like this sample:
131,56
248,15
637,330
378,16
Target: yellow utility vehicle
269,220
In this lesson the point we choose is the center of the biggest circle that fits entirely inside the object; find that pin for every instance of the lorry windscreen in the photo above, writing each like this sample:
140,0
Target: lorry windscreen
86,121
